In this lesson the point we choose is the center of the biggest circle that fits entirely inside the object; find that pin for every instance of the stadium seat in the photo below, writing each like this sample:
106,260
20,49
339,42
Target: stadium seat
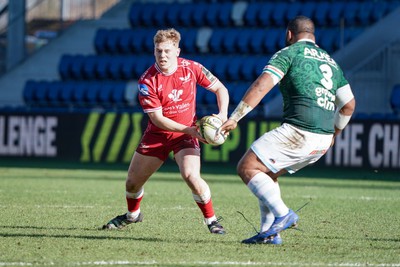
379,10
102,66
29,88
188,42
225,14
77,62
258,39
54,93
112,40
233,70
230,40
104,93
215,42
279,14
91,92
89,67
395,99
186,14
264,15
293,10
209,99
115,66
250,16
243,43
219,14
78,93
149,12
237,92
271,43
198,16
137,40
321,13
247,71
134,14
128,68
100,40
350,11
172,15
64,67
40,93
66,91
148,44
364,14
124,41
117,94
330,40
220,67
200,92
336,13
308,9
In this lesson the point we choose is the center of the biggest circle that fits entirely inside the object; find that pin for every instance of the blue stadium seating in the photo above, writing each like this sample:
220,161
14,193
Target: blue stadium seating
236,53
264,14
279,14
395,99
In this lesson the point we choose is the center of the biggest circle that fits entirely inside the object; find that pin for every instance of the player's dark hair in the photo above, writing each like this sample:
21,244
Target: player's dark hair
301,24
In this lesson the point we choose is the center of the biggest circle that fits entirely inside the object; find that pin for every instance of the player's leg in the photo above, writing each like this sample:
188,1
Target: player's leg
266,188
140,170
188,160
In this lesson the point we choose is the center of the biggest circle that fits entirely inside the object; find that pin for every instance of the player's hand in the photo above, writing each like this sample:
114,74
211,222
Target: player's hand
228,126
194,131
221,116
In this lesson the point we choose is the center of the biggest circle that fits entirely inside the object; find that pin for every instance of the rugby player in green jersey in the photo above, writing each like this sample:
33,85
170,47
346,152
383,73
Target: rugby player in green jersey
318,104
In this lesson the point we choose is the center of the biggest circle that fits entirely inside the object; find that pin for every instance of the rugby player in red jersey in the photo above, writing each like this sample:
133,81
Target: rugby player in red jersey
167,94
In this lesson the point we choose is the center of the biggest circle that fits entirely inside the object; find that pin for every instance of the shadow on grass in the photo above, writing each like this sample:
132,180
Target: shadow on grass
210,168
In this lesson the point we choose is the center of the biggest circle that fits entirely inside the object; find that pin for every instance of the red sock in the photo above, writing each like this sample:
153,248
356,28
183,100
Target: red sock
133,203
207,209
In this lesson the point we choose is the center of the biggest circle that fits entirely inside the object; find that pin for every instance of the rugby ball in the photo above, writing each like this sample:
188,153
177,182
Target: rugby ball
208,127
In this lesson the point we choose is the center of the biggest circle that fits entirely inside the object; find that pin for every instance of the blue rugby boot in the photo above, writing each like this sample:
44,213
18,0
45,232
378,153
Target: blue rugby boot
282,223
260,239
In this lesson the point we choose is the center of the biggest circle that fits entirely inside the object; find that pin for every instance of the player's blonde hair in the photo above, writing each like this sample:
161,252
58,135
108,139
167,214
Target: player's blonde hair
167,35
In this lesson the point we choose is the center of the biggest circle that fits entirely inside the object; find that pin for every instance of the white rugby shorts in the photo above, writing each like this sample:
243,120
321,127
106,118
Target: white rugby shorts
290,148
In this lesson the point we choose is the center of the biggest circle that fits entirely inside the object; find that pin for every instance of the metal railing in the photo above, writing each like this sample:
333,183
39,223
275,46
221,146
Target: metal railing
46,19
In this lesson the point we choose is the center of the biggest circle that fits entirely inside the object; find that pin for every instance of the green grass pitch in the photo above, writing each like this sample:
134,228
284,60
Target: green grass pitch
50,217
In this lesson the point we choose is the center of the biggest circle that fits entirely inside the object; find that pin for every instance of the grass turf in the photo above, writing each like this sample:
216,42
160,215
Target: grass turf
50,217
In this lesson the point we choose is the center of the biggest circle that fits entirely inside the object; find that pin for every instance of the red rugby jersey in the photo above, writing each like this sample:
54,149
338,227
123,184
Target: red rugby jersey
174,93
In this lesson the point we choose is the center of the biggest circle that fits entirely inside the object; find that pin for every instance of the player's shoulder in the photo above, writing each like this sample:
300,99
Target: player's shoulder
148,74
188,63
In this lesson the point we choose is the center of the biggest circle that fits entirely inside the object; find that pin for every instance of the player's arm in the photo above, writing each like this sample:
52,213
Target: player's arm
167,124
257,90
222,95
345,105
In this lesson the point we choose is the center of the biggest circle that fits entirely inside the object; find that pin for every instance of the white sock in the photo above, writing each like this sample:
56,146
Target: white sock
268,192
210,220
133,215
267,217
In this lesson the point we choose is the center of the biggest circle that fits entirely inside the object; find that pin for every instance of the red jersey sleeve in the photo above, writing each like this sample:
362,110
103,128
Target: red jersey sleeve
204,77
147,95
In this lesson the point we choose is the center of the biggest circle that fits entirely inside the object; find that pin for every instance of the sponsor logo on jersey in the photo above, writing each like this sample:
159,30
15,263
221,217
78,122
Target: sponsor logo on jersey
185,63
143,90
319,55
175,95
185,79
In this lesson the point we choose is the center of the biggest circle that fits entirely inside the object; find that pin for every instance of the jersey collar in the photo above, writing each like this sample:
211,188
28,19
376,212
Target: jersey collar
165,73
306,40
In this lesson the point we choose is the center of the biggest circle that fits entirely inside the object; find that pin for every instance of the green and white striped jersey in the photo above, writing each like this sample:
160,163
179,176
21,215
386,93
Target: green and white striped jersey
309,81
